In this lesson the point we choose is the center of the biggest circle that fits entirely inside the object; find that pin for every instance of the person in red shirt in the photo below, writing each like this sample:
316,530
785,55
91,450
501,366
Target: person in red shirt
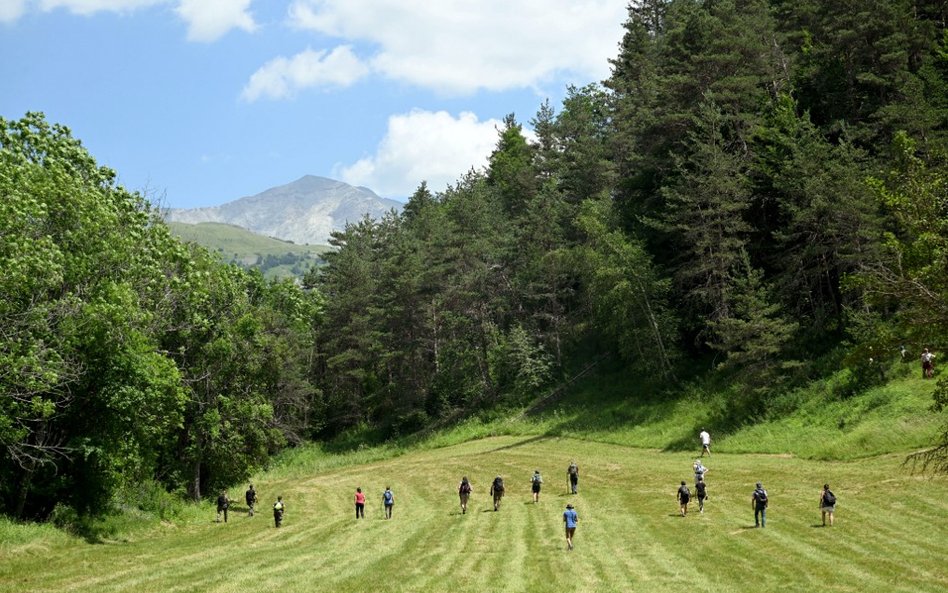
360,503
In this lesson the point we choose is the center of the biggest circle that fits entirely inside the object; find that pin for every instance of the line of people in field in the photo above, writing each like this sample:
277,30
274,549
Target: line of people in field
759,497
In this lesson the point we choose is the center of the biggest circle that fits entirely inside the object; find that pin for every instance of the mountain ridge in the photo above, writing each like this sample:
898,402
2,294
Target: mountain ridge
304,211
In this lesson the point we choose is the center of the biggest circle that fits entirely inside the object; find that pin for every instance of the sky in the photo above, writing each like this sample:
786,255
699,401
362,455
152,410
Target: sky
200,102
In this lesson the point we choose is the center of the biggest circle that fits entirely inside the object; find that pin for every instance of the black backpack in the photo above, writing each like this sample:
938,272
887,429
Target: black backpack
760,495
465,487
829,499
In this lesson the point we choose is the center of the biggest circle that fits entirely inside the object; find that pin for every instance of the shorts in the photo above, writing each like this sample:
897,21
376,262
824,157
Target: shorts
465,498
827,509
536,487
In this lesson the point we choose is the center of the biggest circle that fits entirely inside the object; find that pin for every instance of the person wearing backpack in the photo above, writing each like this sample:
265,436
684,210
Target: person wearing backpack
388,501
570,518
684,497
827,504
572,472
759,503
535,483
700,471
464,492
278,509
701,491
223,502
497,491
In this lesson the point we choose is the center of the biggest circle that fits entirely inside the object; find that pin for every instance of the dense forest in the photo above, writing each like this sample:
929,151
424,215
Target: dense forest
758,188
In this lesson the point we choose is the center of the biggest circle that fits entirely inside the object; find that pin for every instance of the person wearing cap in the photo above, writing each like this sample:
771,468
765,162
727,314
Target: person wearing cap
759,503
535,483
570,518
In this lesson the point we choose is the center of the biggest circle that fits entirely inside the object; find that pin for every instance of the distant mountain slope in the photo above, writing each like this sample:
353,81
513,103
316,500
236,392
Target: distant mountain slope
274,257
305,211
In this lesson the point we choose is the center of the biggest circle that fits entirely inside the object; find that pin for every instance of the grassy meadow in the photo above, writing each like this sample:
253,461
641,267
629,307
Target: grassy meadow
889,533
237,244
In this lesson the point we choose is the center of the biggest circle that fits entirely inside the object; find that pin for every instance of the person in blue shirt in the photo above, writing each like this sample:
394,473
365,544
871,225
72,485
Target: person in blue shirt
570,518
388,500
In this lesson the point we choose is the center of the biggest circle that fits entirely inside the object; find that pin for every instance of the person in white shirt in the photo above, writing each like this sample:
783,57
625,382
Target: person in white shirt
705,442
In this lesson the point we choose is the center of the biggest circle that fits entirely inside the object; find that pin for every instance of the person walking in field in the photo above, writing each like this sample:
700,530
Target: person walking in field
705,442
700,470
535,482
388,501
279,507
572,473
464,492
759,502
928,364
222,503
684,497
251,497
827,504
497,491
701,492
570,518
360,503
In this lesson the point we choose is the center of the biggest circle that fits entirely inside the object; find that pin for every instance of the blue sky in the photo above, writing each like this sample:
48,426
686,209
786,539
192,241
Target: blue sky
200,102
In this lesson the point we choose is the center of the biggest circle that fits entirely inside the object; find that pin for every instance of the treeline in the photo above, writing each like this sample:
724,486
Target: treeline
758,185
126,356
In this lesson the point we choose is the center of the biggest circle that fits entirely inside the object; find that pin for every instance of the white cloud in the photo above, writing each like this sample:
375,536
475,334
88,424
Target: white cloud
209,20
424,146
11,10
282,77
93,6
460,47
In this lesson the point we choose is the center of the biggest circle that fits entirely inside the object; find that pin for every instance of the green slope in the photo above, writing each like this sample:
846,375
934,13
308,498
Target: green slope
632,451
889,533
238,245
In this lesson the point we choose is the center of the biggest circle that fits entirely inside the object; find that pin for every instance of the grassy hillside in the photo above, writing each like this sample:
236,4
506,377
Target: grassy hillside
889,534
237,244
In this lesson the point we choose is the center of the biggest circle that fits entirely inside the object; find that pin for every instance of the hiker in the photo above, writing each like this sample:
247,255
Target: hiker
388,500
572,472
700,471
222,503
928,364
684,497
464,492
759,503
570,518
535,483
251,497
705,442
827,504
278,509
360,503
701,491
497,491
